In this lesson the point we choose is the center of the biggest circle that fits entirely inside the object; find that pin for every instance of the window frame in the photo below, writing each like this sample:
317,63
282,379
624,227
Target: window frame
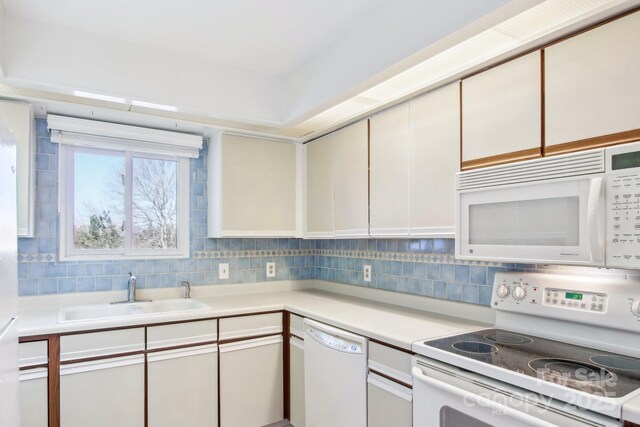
66,208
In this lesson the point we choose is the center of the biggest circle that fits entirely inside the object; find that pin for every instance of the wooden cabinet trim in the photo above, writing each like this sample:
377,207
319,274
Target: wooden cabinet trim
530,153
53,379
595,142
286,364
542,104
390,378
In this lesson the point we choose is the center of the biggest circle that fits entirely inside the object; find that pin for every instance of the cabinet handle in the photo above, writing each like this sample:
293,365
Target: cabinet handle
478,400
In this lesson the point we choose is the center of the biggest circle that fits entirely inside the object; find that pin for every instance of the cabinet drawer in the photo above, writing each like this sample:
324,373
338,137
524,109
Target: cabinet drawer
32,353
249,326
182,334
296,325
389,403
391,362
82,346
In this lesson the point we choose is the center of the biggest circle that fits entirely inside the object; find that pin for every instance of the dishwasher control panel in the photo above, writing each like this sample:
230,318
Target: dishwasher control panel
334,342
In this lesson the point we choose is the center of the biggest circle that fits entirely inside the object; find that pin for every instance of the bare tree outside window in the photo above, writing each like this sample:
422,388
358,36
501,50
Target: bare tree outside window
100,214
154,203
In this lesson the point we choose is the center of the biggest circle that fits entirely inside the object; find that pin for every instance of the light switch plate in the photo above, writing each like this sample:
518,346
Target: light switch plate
367,273
223,271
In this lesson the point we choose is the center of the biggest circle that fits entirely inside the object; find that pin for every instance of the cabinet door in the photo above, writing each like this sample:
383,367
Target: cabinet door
251,382
34,398
319,177
18,117
592,87
501,113
33,386
351,177
389,403
103,393
183,387
390,172
434,158
296,375
252,187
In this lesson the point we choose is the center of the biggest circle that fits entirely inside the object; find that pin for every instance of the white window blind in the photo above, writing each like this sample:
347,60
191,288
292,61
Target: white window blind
111,136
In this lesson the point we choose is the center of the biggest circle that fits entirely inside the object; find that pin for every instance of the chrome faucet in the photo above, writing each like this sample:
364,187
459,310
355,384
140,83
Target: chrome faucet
132,288
187,289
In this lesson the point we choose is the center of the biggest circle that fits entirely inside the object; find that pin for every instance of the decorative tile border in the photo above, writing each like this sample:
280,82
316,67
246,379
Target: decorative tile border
253,253
429,258
36,257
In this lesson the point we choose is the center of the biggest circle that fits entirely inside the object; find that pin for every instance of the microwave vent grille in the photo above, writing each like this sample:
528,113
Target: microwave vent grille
575,164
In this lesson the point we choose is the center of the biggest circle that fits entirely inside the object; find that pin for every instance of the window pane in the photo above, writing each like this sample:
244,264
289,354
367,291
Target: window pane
154,203
98,221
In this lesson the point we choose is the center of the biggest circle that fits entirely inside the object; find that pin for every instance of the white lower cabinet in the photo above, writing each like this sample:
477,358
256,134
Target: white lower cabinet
34,411
34,384
390,399
103,393
183,387
251,382
389,403
296,374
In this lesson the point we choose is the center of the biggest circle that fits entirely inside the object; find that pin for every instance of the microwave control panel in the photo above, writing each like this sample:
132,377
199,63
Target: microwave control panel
623,220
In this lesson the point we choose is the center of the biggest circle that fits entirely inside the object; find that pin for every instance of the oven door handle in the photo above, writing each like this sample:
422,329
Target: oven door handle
472,398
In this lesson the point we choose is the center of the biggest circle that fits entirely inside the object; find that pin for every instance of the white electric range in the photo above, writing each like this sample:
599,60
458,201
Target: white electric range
564,351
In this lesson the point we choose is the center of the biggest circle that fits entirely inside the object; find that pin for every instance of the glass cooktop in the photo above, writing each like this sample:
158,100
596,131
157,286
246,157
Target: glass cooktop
580,368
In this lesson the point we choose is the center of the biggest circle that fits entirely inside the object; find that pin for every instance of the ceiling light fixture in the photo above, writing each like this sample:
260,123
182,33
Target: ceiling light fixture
99,96
154,106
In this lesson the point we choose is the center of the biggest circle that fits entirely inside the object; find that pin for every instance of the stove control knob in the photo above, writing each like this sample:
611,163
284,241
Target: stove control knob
635,308
503,291
519,293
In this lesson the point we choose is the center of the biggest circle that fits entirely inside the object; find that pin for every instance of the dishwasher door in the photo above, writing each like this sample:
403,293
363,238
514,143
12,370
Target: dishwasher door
335,370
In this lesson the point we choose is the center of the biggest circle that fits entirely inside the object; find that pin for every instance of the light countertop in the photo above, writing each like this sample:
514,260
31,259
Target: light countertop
400,320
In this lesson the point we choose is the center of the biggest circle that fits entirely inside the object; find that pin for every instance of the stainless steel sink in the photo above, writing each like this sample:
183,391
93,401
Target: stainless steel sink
87,313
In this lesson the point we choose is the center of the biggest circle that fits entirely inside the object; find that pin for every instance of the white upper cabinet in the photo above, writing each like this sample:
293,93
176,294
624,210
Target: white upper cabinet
253,187
337,183
592,87
351,178
18,118
320,197
501,113
389,192
434,156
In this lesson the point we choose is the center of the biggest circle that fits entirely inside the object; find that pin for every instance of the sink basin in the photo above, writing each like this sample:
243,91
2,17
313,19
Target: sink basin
86,313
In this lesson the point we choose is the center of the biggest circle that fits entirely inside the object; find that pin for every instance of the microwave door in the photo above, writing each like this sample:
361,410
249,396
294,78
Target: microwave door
558,222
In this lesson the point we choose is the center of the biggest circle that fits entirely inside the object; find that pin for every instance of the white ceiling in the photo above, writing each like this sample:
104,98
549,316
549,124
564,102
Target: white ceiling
273,37
279,67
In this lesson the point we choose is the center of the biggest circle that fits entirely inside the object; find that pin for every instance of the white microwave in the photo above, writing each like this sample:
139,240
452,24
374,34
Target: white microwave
579,209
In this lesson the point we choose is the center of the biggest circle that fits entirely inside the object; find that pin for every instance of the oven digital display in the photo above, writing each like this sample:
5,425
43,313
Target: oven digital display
573,295
625,160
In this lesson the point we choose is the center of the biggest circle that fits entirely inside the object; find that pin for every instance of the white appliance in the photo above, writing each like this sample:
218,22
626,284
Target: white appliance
563,351
9,409
581,208
335,375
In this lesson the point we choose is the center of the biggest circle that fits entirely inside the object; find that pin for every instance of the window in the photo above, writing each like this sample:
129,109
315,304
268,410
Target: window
122,198
120,204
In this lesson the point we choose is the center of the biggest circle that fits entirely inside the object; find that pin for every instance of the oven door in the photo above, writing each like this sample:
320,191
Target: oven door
559,221
449,397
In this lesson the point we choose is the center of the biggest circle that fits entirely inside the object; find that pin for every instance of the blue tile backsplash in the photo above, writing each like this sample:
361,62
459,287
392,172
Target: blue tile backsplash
417,266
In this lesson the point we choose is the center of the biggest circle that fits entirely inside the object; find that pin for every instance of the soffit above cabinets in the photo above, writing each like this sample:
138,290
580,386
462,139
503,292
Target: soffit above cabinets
288,70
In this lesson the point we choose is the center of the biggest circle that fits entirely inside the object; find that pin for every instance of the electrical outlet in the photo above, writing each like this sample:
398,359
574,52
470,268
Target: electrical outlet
223,271
271,269
367,273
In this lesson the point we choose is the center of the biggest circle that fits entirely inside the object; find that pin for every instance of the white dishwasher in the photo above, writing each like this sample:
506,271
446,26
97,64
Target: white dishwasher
335,371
